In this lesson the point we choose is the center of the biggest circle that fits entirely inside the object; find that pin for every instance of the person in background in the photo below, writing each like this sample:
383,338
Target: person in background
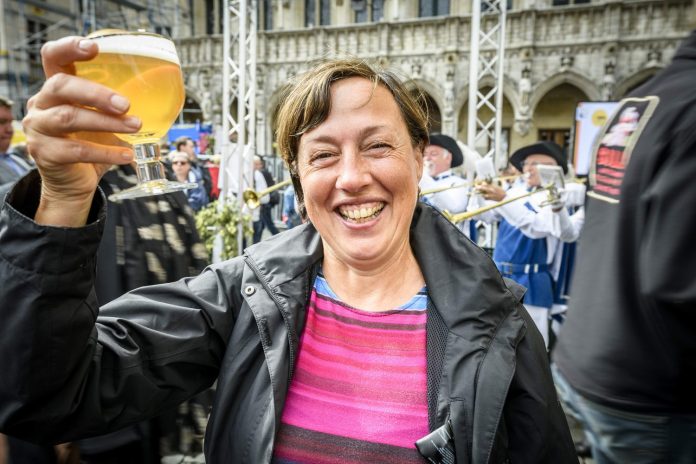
374,332
12,166
291,218
626,355
273,199
260,184
186,145
440,156
529,247
181,167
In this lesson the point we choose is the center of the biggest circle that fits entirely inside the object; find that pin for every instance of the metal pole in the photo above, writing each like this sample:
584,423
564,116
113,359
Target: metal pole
473,73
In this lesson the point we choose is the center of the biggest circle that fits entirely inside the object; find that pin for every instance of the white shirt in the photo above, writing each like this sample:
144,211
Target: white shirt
454,200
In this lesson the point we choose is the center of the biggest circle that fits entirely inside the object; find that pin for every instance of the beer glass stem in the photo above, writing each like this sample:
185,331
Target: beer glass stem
147,158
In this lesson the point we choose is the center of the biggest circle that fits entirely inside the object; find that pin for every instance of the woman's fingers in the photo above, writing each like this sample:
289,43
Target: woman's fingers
54,151
67,119
63,88
59,55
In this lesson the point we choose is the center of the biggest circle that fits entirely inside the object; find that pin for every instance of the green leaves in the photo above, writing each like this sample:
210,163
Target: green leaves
210,222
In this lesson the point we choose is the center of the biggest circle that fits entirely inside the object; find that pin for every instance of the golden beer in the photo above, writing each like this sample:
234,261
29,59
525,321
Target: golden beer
145,69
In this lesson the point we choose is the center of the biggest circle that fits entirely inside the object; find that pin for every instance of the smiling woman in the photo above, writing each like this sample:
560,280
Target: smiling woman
374,332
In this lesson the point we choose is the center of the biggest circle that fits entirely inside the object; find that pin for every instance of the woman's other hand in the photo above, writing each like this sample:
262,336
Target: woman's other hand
70,125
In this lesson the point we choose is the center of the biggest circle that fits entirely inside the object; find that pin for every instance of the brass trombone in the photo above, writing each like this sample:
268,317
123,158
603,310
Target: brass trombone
468,184
552,195
252,198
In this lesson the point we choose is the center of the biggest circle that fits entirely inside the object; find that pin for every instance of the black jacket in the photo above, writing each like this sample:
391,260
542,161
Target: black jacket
629,341
239,322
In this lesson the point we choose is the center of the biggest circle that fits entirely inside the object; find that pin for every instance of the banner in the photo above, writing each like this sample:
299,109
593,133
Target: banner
590,117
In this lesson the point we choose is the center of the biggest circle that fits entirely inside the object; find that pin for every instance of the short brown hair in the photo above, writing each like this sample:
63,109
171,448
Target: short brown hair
6,102
306,103
183,140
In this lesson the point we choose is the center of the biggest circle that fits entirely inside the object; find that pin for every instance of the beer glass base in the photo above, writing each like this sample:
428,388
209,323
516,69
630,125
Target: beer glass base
153,187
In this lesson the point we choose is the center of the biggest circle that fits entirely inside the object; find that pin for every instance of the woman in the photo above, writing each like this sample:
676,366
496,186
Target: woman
181,167
302,374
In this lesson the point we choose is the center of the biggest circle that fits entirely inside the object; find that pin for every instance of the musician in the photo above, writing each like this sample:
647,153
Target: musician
529,248
440,156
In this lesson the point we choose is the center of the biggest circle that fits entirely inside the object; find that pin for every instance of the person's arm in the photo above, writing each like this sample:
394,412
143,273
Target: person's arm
71,369
542,221
454,200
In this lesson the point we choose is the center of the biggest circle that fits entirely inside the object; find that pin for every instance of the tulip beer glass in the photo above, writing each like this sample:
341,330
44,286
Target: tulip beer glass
145,69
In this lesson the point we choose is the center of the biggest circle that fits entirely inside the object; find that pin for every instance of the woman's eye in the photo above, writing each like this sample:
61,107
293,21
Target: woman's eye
379,146
321,156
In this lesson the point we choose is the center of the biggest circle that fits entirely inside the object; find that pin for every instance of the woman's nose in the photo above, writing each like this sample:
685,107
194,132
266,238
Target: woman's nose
354,173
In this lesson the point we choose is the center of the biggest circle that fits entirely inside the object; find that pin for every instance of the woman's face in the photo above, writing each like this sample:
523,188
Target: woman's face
359,173
181,168
529,167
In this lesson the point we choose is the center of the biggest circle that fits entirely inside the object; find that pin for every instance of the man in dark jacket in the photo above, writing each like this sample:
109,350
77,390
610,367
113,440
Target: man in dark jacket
626,356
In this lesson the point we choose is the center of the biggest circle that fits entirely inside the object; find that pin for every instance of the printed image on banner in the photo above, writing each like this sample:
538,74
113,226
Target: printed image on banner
614,145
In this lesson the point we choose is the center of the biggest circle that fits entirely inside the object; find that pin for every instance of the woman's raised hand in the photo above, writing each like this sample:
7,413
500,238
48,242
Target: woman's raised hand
69,126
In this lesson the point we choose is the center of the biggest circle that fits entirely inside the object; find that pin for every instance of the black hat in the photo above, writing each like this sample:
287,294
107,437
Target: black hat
449,144
540,148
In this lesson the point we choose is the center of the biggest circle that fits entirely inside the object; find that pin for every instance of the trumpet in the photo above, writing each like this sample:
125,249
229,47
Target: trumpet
252,198
552,195
487,180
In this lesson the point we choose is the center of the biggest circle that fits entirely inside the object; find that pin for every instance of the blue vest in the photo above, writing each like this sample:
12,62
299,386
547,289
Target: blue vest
523,259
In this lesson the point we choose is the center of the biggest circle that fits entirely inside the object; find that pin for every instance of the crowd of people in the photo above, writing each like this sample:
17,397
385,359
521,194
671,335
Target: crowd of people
374,329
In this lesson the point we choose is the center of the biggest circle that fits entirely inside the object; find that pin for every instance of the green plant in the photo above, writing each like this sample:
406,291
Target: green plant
210,222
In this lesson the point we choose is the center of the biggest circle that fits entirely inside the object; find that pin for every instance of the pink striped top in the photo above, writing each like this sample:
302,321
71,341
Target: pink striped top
359,390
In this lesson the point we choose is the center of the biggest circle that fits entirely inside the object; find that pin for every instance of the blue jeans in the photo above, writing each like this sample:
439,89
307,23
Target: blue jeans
618,436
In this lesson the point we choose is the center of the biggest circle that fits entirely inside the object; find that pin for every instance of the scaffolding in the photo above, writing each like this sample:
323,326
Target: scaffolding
239,84
486,64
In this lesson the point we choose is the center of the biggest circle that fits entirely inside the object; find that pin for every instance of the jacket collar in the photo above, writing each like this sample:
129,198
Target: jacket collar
463,283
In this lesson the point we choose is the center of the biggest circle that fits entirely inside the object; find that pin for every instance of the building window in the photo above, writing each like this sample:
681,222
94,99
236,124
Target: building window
266,15
325,12
568,2
322,7
368,10
214,16
433,8
560,136
309,13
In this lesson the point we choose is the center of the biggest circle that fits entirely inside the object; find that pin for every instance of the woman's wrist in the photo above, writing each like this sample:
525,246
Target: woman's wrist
63,212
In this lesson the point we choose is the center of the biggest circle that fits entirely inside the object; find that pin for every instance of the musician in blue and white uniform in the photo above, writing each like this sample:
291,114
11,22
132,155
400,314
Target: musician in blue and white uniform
439,157
532,230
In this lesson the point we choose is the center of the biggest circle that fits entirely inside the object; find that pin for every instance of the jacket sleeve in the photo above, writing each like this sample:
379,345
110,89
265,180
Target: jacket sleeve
667,256
72,370
542,223
536,426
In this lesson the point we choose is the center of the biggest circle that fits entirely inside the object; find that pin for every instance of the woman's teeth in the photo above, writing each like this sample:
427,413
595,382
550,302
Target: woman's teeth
361,214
